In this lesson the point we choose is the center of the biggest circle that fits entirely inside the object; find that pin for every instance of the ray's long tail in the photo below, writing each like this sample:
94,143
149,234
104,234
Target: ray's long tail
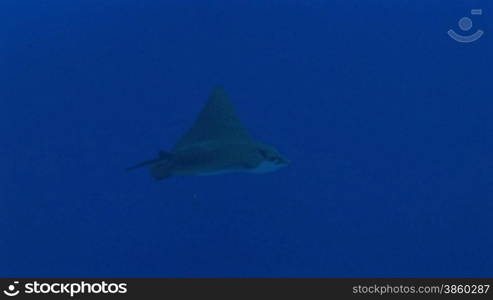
143,164
162,156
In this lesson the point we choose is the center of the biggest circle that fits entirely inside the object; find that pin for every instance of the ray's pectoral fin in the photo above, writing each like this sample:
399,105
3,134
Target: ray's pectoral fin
217,122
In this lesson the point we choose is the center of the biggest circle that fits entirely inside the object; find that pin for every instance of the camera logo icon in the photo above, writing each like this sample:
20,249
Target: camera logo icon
11,291
465,24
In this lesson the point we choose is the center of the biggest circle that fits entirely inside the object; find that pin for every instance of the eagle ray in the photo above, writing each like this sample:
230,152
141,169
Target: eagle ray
216,143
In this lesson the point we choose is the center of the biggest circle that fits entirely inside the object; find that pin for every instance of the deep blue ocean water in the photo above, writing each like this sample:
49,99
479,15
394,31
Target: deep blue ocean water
386,120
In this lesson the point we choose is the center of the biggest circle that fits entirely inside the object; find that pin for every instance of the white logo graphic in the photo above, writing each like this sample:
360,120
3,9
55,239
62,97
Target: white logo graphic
465,24
11,290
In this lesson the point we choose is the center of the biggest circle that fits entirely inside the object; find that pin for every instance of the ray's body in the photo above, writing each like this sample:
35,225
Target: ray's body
217,143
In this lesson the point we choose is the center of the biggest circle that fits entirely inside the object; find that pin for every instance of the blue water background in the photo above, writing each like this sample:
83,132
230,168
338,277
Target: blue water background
387,123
